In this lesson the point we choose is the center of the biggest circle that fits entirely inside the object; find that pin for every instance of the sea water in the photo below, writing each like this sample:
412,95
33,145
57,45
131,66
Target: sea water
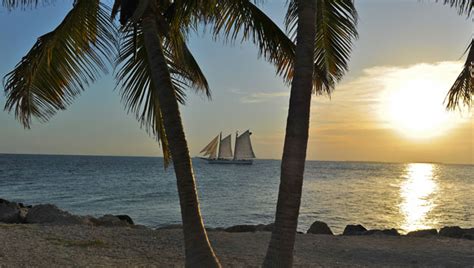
405,196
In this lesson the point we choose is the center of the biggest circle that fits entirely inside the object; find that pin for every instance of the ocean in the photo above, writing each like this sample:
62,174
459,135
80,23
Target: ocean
405,196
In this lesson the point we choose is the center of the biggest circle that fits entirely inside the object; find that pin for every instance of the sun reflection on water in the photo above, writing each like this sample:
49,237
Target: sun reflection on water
417,192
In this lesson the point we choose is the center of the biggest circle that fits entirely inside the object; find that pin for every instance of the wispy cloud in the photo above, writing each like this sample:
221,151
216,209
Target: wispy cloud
262,97
259,96
362,104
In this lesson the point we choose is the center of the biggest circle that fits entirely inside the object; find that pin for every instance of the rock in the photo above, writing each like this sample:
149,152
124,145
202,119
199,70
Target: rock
354,230
264,227
423,233
250,228
217,229
372,232
452,231
241,228
468,233
468,236
392,232
110,221
171,226
50,214
11,212
126,218
319,227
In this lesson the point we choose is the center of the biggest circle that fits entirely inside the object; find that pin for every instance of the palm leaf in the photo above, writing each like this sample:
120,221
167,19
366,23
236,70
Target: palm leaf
136,88
24,4
183,66
463,88
61,63
462,6
242,18
336,22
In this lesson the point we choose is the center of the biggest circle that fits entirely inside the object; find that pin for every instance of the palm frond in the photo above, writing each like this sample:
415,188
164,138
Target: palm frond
243,19
136,88
61,63
462,6
336,22
462,90
25,4
181,62
187,15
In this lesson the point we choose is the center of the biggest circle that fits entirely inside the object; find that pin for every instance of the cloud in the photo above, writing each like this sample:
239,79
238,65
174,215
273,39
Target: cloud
357,120
258,97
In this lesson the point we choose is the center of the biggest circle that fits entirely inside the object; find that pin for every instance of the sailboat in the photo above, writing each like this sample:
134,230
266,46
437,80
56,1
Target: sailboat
219,150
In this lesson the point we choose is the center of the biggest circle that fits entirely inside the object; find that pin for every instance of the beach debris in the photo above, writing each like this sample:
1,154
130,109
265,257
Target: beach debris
319,227
423,233
354,230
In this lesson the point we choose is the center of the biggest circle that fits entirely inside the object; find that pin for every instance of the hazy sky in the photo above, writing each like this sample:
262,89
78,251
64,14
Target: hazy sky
406,48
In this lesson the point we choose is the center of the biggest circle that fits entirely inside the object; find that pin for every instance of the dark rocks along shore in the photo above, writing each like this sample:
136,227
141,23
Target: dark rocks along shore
18,213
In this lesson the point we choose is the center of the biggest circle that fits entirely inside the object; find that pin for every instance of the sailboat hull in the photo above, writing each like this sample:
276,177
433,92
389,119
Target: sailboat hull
229,161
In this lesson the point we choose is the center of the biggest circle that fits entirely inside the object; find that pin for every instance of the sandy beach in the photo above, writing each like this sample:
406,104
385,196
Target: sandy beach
82,245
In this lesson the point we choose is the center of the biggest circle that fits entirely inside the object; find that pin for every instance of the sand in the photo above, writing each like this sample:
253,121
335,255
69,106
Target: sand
80,246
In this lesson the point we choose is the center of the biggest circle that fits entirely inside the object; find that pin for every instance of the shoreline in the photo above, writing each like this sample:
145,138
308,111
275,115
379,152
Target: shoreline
49,237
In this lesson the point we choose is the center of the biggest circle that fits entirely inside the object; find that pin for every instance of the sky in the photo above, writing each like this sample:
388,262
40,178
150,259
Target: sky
389,106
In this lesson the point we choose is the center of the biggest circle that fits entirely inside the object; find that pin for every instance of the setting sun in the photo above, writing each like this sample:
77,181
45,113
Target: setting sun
414,105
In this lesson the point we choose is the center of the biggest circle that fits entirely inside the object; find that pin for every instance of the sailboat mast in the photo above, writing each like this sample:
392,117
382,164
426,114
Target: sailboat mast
219,148
235,147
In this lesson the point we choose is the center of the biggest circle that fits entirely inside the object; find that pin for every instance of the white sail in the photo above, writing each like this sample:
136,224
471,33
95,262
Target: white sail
225,149
243,147
211,149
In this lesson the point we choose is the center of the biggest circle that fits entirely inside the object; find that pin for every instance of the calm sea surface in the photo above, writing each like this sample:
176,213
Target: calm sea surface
378,195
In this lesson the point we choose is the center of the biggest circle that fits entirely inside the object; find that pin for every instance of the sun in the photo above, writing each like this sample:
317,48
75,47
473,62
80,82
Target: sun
415,108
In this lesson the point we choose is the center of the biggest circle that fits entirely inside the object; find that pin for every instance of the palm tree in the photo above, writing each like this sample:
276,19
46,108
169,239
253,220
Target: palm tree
324,33
198,250
154,67
462,90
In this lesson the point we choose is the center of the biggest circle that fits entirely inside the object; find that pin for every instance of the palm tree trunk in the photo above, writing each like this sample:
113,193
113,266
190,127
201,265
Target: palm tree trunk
198,250
280,249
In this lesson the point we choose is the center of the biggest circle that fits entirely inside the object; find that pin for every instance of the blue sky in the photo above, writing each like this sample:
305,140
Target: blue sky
248,95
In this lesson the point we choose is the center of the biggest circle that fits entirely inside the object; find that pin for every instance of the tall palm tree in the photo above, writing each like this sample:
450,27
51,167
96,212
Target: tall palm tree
325,30
155,40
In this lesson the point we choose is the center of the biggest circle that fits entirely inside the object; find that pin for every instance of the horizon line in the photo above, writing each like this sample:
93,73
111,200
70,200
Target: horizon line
308,160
